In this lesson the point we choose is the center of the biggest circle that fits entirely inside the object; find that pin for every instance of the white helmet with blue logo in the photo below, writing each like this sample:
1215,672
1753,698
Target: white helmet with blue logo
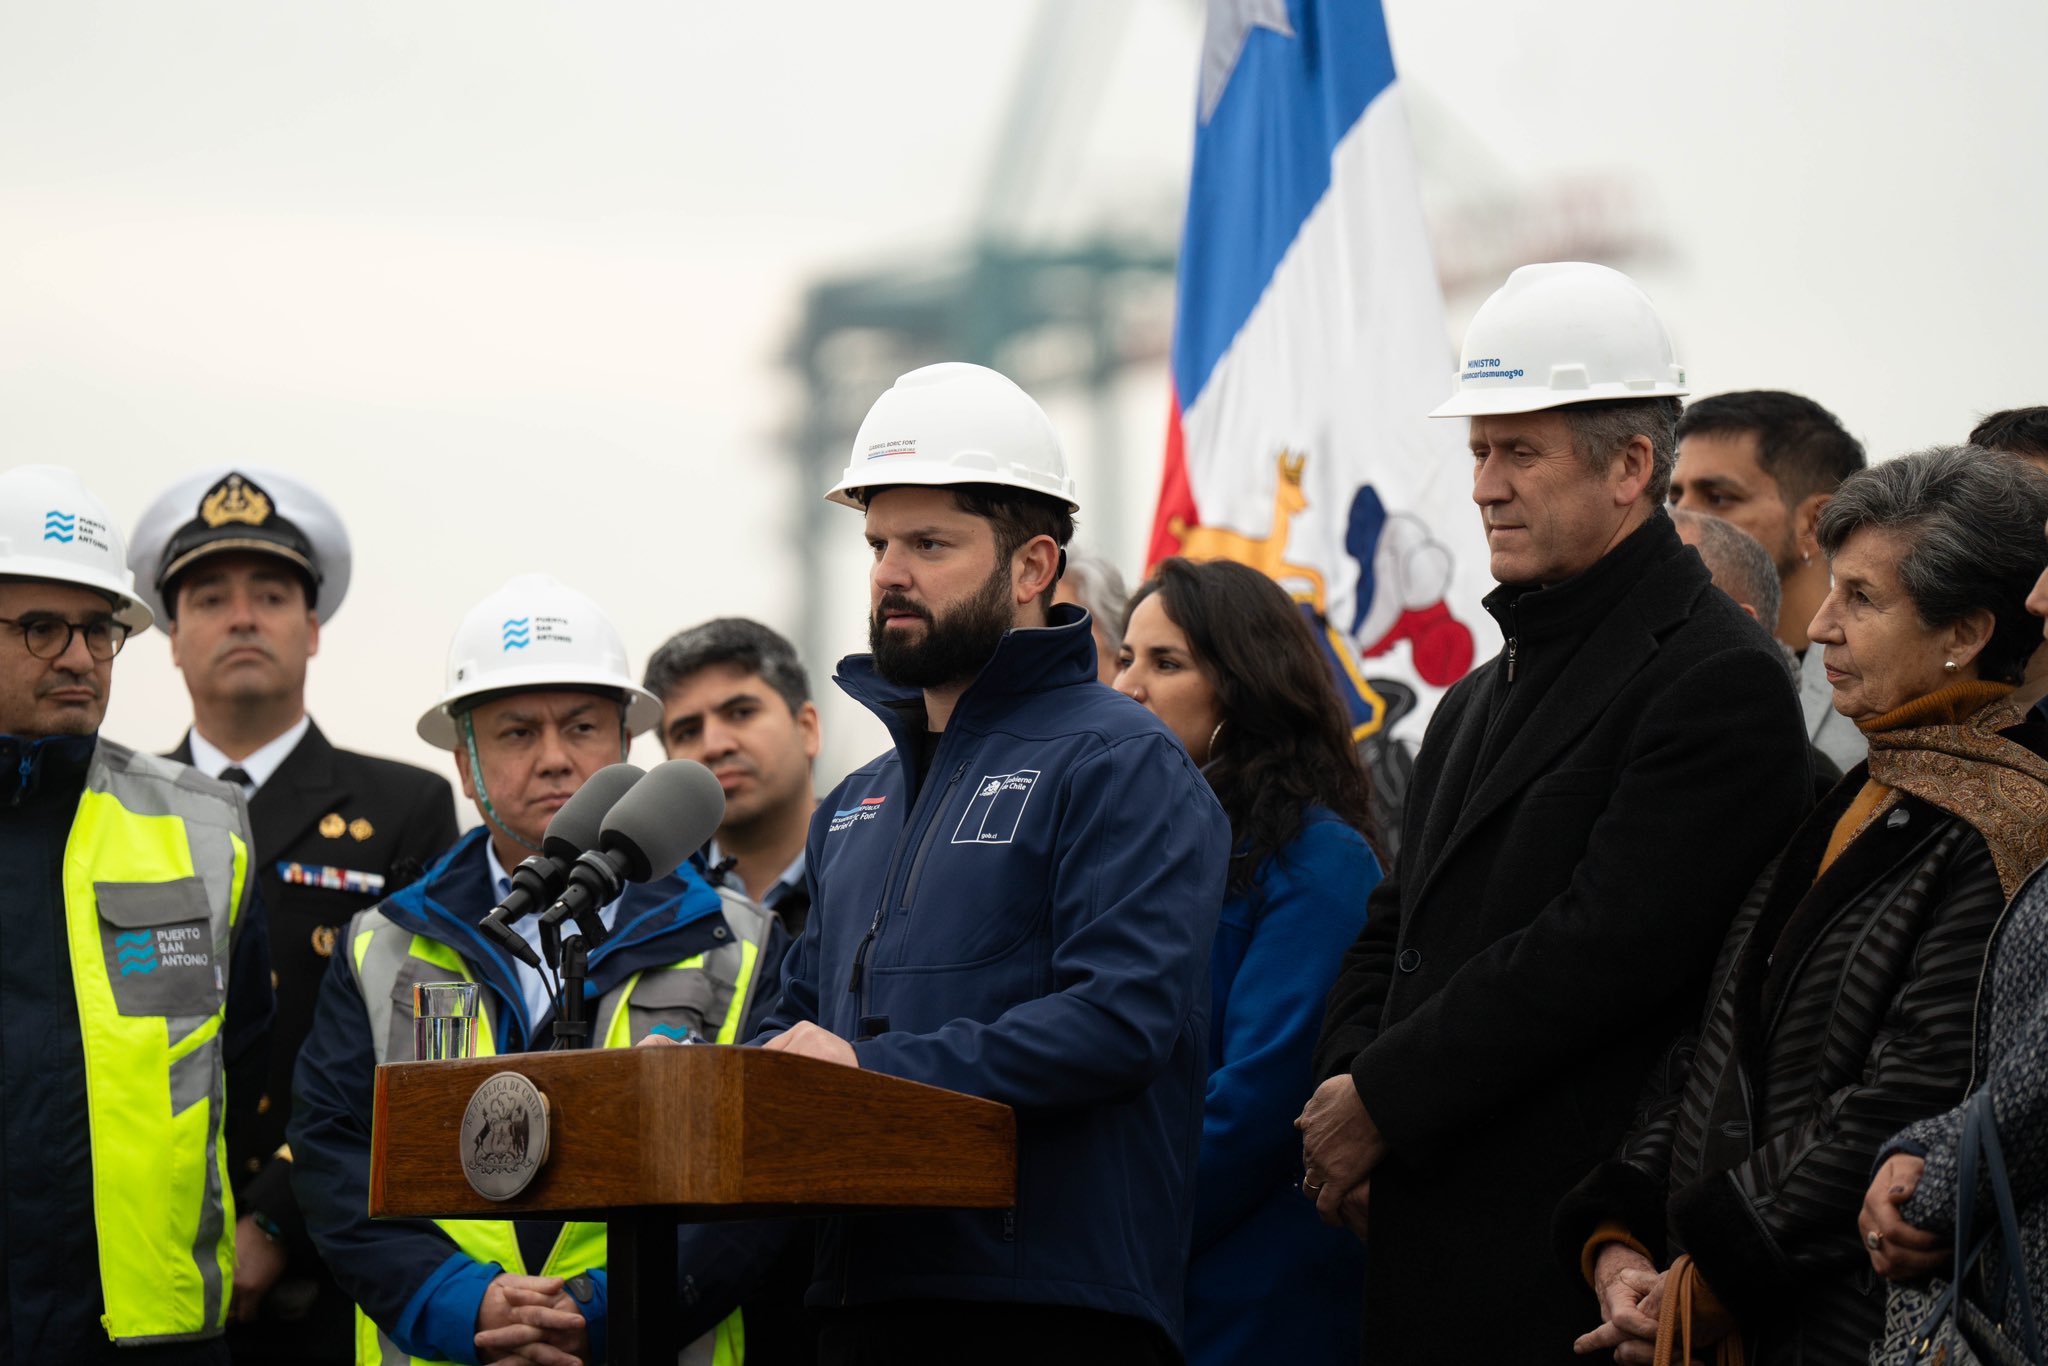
52,528
534,635
955,423
1559,333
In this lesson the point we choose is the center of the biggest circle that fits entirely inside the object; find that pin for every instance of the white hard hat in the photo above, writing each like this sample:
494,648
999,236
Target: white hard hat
534,635
246,508
52,528
956,423
1563,332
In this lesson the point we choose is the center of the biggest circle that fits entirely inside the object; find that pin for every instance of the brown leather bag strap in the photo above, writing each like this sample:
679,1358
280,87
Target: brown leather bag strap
1674,1322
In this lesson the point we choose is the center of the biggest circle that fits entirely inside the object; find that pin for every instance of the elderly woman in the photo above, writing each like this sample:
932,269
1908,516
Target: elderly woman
1220,654
1840,1006
1908,1219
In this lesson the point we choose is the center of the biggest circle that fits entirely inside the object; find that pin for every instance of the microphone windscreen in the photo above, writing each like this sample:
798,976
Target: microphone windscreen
575,828
667,817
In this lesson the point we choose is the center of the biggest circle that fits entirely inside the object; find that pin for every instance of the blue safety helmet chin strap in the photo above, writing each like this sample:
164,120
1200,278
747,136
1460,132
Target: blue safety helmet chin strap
466,725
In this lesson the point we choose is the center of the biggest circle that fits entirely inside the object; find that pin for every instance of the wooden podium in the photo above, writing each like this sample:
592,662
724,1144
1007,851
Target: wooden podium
642,1138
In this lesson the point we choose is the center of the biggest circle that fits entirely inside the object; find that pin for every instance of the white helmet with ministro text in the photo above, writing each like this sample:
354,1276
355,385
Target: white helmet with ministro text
1560,333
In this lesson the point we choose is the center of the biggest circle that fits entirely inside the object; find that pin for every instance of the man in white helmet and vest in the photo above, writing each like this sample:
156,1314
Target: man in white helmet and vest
133,973
1588,808
242,567
538,699
1015,901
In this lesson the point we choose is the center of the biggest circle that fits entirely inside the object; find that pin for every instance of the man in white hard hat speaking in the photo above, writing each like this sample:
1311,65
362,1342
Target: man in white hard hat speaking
1016,901
242,567
134,981
1588,808
538,699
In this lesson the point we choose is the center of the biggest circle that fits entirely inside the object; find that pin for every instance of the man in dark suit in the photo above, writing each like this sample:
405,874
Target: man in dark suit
1588,809
242,567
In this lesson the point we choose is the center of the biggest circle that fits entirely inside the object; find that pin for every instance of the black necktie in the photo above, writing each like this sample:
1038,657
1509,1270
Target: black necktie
239,776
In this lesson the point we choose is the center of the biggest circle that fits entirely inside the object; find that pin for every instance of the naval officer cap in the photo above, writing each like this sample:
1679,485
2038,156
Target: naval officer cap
246,509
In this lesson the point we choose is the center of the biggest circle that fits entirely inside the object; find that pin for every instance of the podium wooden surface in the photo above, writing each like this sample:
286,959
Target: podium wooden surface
642,1138
710,1132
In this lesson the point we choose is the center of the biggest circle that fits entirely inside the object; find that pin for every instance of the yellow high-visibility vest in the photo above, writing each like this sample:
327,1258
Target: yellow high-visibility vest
156,876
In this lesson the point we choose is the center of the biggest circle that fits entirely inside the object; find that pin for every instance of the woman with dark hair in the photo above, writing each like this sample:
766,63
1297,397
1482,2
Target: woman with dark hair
1220,654
1841,1003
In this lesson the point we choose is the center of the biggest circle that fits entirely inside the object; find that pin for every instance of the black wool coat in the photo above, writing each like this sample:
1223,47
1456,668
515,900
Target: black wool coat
1841,1012
1583,824
323,809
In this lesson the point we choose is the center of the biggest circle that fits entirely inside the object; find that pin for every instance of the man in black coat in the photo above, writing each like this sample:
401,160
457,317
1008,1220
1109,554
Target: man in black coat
242,567
1588,809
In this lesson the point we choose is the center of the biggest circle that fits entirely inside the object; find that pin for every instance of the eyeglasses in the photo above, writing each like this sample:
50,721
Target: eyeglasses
50,637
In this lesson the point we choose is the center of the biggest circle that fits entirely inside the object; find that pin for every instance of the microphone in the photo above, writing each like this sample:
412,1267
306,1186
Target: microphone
668,815
537,881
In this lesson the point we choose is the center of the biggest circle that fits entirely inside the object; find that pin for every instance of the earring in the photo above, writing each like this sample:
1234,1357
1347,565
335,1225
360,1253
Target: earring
1212,739
1950,666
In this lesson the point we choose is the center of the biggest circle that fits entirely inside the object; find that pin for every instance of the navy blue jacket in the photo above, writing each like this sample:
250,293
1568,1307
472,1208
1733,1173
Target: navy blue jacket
1032,924
1268,1280
49,1247
406,1273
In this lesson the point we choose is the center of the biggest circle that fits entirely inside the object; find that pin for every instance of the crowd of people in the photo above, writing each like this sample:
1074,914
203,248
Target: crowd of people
1714,946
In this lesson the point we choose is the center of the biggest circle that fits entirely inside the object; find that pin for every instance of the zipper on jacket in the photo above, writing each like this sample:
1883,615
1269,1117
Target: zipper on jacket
1514,643
924,846
857,980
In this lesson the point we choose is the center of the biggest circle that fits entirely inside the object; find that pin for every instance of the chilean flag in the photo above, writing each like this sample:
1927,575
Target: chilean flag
1309,344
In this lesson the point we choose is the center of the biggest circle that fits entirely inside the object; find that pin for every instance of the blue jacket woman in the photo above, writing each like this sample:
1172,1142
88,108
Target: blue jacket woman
1221,654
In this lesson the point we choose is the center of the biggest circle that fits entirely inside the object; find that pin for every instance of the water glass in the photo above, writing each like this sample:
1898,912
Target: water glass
444,1020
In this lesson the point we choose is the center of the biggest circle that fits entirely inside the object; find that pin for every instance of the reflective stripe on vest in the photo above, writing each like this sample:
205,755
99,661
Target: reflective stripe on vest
389,961
156,872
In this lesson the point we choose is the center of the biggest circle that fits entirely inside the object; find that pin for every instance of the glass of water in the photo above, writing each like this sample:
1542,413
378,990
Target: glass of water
444,1020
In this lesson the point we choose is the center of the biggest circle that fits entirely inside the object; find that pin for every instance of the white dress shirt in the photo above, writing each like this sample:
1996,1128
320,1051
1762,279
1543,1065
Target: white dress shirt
207,758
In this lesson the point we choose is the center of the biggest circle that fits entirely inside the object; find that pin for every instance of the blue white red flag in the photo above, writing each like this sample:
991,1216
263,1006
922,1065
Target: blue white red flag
1308,346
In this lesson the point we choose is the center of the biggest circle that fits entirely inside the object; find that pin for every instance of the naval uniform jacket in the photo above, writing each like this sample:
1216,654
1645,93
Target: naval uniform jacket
1588,809
365,827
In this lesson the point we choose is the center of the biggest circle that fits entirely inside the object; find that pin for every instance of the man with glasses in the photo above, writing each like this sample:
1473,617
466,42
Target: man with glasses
134,977
241,567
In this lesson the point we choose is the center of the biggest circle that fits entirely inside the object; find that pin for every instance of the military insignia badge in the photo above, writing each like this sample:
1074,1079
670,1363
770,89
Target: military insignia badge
360,829
234,499
333,826
323,940
504,1138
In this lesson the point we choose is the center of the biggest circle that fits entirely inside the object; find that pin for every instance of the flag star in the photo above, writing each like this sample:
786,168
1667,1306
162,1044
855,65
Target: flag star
1223,38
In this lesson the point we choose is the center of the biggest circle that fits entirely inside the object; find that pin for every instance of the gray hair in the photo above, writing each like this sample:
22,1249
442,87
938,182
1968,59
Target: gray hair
744,644
1600,431
1099,588
1973,521
1738,562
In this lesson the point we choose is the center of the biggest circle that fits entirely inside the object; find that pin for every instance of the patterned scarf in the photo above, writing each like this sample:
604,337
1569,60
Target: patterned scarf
1965,767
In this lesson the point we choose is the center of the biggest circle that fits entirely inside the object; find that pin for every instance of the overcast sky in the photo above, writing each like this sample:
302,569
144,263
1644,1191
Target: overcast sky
512,282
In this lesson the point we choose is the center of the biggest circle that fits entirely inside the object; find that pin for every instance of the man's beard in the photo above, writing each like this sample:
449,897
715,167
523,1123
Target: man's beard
954,648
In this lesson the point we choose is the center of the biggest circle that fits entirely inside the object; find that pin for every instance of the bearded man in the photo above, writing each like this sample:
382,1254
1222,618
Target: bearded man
1016,901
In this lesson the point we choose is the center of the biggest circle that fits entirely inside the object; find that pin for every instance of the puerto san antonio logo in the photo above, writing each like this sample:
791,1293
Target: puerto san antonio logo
69,528
173,946
519,632
865,810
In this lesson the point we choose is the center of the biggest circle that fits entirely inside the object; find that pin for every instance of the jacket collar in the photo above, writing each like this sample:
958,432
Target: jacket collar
1579,603
1027,661
456,894
53,764
1659,587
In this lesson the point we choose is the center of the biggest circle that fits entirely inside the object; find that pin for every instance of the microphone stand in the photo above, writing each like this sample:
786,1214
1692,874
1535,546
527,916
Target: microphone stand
572,1023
